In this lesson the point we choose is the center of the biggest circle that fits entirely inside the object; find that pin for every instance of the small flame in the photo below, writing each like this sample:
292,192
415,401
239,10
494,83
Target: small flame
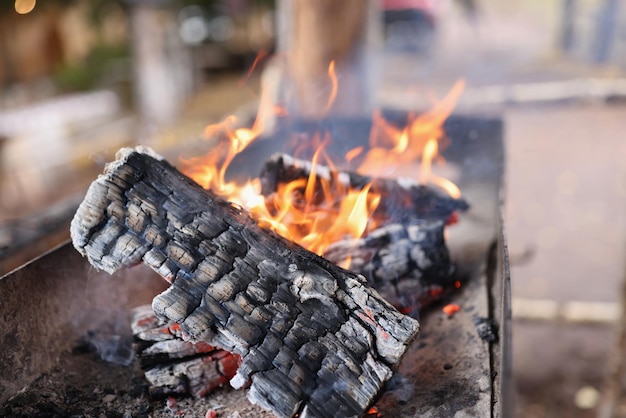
353,153
334,83
318,211
210,171
259,57
431,150
403,142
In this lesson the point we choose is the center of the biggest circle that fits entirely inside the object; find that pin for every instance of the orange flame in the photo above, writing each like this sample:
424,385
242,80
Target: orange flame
210,171
334,83
431,150
320,210
259,57
394,151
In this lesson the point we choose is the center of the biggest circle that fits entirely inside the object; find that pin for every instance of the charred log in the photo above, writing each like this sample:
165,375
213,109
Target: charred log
314,339
174,366
407,264
404,201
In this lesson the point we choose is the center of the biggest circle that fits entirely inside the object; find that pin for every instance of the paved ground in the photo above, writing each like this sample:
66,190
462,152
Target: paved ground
565,204
566,192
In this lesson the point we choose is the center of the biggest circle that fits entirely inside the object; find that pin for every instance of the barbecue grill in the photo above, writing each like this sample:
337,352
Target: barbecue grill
458,366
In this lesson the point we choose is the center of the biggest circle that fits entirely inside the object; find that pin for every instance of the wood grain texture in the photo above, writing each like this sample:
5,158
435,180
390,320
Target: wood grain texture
314,339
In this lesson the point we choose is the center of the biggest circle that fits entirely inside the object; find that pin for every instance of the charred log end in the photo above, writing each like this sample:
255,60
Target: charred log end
104,203
173,366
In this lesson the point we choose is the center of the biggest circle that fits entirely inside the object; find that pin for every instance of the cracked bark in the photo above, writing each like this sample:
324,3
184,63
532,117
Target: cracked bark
314,339
408,264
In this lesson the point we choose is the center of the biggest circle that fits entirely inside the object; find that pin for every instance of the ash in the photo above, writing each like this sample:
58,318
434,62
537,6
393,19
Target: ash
83,385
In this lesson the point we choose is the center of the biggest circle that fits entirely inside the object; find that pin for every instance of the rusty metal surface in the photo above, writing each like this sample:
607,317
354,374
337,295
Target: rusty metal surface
48,304
501,352
22,240
449,371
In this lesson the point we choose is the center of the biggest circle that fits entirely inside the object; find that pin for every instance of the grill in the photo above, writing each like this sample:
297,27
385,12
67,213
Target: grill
459,366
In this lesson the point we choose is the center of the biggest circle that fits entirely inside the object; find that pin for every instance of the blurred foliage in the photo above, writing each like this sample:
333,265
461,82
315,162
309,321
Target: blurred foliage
8,6
97,6
95,69
106,63
214,3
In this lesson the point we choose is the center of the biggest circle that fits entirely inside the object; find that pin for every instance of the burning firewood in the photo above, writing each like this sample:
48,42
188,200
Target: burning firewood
403,200
405,263
314,339
405,258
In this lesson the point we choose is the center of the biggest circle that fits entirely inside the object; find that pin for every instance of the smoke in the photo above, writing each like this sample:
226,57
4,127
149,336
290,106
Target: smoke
107,334
112,348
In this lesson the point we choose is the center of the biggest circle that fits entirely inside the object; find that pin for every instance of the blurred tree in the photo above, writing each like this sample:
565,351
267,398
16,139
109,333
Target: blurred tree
86,68
11,22
8,6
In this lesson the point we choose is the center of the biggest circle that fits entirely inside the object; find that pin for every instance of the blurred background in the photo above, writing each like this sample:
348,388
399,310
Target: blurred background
81,78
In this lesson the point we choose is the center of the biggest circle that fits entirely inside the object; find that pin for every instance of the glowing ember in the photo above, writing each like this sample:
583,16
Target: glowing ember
320,210
373,412
451,309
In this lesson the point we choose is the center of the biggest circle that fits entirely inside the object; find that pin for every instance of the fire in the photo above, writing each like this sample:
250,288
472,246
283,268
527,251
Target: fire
209,171
395,151
451,309
334,83
262,54
426,174
320,210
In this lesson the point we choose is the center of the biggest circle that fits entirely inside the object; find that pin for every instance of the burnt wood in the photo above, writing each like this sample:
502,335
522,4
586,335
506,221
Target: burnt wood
314,339
403,200
174,366
408,264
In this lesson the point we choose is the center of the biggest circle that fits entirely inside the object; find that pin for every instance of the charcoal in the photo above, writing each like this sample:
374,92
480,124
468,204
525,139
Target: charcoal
487,329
